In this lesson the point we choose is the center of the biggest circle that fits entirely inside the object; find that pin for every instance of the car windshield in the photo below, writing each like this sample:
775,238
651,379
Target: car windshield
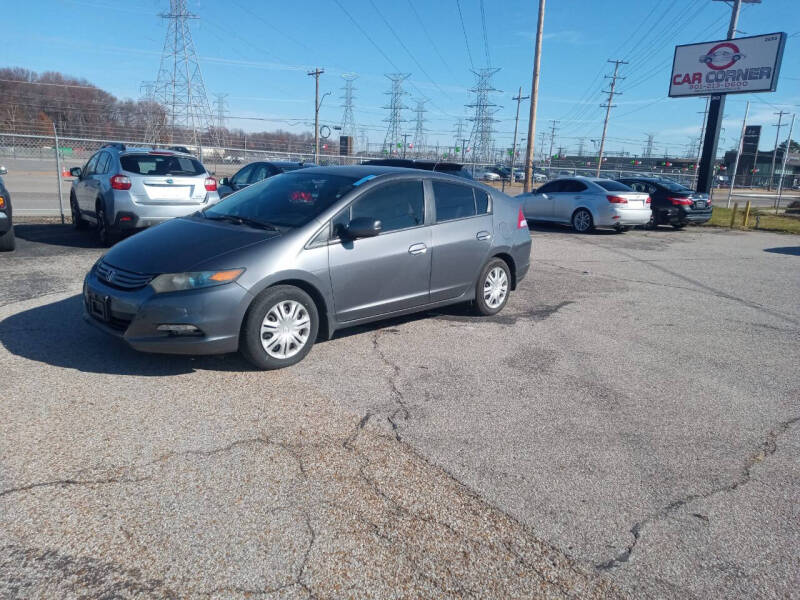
613,186
160,164
286,200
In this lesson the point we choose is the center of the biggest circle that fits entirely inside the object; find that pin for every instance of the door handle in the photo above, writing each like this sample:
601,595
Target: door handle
484,235
417,248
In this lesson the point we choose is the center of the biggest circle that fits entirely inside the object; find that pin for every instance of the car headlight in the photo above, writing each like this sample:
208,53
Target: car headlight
175,282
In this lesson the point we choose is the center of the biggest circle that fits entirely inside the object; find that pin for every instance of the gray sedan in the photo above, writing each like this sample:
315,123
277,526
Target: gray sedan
586,203
269,268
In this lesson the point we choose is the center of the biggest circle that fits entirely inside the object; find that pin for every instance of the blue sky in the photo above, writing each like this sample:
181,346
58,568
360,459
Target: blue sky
259,52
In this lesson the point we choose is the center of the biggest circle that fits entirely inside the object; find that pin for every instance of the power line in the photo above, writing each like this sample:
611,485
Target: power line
485,36
428,35
466,38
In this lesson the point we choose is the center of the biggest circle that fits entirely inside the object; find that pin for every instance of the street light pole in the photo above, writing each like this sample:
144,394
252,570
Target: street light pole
537,55
519,98
315,74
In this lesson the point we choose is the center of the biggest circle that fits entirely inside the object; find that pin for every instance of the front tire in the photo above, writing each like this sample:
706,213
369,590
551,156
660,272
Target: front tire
280,328
679,225
492,290
582,221
8,241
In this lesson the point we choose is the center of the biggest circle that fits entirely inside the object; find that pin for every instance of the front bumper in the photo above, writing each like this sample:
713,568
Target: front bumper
5,222
133,316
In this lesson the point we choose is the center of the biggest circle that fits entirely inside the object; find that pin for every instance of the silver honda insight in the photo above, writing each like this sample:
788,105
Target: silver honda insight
272,267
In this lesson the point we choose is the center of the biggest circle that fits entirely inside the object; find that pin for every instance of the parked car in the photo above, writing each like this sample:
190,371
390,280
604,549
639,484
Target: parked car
255,172
428,165
672,203
486,174
122,189
587,202
305,253
7,241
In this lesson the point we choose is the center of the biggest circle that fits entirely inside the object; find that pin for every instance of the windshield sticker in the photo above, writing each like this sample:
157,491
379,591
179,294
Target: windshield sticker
364,180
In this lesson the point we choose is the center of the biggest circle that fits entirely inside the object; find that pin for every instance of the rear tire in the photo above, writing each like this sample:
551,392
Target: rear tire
582,221
8,241
493,288
77,220
280,328
103,228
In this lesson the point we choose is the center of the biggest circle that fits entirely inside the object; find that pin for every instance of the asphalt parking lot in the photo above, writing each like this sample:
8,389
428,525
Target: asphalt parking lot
627,426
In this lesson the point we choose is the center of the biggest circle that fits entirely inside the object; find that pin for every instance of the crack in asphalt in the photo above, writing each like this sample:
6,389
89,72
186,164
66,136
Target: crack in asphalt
69,482
401,411
767,448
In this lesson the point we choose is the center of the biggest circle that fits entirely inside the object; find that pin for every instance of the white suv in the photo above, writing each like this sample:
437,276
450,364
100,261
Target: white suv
123,189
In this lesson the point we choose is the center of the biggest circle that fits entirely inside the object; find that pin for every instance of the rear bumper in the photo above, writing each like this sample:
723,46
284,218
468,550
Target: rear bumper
681,216
145,215
612,217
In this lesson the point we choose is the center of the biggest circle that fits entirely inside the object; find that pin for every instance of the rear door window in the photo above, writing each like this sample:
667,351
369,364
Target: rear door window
481,201
453,201
159,164
550,188
572,186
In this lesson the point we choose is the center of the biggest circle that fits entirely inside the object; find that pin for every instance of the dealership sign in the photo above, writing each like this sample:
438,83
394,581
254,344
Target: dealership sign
740,65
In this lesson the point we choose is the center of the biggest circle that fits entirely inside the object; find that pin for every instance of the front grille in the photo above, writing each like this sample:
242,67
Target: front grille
120,278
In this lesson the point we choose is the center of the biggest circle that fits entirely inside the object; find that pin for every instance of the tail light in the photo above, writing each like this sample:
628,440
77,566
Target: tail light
120,182
211,184
522,222
649,200
2,202
680,201
617,200
708,201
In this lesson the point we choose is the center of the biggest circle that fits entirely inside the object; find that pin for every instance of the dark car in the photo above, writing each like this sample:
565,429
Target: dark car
672,203
429,165
6,225
269,268
255,172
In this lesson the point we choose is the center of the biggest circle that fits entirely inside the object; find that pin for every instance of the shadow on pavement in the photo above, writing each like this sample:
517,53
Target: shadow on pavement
56,334
57,235
542,227
790,250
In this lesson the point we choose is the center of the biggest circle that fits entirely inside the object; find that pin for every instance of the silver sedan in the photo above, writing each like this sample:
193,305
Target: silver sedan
587,202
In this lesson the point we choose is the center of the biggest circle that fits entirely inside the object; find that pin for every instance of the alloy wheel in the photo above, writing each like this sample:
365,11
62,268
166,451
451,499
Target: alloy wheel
582,221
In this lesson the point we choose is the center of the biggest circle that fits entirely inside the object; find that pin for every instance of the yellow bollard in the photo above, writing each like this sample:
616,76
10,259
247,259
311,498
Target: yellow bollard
733,213
746,214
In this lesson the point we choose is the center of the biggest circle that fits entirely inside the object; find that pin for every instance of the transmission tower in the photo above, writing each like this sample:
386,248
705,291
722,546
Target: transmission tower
419,126
180,88
222,110
481,138
153,115
348,121
396,107
581,142
648,149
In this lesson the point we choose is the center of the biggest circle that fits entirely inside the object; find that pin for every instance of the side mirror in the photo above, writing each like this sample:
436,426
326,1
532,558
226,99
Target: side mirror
362,227
3,171
223,180
75,171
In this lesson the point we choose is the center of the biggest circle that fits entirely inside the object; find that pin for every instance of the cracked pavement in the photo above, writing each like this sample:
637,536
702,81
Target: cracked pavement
628,426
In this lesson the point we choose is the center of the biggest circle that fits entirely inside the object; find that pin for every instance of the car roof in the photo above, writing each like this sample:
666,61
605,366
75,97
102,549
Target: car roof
360,171
415,163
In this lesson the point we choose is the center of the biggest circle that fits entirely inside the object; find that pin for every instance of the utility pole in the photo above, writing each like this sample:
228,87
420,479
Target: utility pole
315,74
608,106
700,141
738,153
552,140
405,142
519,98
537,57
542,138
783,166
716,109
775,152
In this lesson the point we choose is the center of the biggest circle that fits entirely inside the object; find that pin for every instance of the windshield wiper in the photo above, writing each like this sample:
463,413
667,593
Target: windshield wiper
242,221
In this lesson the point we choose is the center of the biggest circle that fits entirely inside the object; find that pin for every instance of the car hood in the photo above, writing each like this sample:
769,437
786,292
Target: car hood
178,245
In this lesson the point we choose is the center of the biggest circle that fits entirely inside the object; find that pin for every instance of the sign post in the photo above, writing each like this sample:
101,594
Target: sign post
722,67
